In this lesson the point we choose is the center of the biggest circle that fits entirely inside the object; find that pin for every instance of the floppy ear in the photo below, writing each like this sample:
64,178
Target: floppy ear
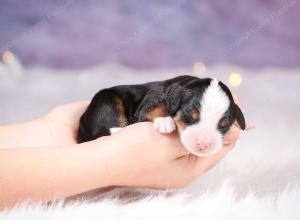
239,117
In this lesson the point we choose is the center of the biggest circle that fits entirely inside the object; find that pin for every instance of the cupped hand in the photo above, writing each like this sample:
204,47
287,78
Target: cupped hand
143,157
140,156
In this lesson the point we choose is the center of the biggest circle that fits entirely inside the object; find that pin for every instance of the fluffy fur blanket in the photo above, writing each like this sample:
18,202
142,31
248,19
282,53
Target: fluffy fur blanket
259,179
222,204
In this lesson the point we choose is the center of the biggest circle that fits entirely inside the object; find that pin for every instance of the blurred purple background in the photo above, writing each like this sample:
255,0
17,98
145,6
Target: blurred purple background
150,34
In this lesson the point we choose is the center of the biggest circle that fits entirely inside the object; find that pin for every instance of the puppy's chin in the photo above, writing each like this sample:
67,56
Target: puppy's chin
203,153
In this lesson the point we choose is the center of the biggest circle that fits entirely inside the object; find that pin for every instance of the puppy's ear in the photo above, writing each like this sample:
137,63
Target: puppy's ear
239,117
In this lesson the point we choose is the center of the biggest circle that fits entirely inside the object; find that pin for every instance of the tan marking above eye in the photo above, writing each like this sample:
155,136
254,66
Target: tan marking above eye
224,122
195,114
121,111
158,111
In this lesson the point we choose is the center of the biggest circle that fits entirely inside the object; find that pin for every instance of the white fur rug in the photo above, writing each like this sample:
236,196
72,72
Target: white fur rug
259,179
222,204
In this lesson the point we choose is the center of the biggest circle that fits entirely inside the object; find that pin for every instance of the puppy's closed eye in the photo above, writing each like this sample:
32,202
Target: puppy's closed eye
190,117
224,122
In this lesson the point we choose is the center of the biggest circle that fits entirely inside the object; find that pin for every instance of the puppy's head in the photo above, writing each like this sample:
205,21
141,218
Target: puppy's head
207,113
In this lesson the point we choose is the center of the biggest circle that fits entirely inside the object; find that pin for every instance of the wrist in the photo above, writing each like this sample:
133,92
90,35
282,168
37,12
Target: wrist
102,155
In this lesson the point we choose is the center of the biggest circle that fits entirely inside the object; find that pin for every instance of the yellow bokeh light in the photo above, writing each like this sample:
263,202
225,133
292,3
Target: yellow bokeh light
7,57
235,79
199,68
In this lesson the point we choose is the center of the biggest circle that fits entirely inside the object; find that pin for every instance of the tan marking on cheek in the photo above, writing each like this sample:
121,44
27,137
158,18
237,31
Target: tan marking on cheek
121,111
179,122
195,114
158,111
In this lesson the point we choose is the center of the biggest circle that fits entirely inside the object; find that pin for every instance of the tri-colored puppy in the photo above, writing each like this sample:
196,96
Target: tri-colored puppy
202,110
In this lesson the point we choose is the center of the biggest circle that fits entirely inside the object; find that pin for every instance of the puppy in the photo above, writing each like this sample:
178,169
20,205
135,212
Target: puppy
202,111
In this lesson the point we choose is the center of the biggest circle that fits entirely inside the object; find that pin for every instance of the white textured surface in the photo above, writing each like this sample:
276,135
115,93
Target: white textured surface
265,161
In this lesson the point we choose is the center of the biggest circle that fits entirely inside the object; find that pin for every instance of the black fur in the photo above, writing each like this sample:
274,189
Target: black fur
180,94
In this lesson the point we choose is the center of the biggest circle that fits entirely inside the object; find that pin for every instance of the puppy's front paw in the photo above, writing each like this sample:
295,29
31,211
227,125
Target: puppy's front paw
114,130
164,124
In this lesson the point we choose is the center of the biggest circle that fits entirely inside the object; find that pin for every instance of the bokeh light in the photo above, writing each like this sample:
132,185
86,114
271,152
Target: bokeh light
235,79
199,68
8,57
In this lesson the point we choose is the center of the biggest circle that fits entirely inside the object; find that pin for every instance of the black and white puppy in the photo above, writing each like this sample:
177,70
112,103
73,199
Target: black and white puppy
202,110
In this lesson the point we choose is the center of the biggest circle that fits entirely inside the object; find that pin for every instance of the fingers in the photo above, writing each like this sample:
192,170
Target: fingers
170,144
199,165
181,151
249,126
232,135
205,163
79,104
196,166
202,164
175,147
77,108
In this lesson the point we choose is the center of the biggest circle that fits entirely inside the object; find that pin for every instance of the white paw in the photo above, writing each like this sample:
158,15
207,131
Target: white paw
114,130
164,124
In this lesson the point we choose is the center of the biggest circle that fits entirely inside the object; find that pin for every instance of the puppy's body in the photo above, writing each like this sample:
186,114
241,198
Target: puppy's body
189,103
127,104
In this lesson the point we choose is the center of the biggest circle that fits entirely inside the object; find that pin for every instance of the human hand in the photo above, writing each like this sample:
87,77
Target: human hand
139,155
146,158
142,157
62,123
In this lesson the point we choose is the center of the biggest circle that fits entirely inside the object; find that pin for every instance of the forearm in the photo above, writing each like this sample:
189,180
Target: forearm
45,174
21,135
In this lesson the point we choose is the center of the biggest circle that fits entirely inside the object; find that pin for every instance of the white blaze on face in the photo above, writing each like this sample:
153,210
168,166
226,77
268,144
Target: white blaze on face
204,138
